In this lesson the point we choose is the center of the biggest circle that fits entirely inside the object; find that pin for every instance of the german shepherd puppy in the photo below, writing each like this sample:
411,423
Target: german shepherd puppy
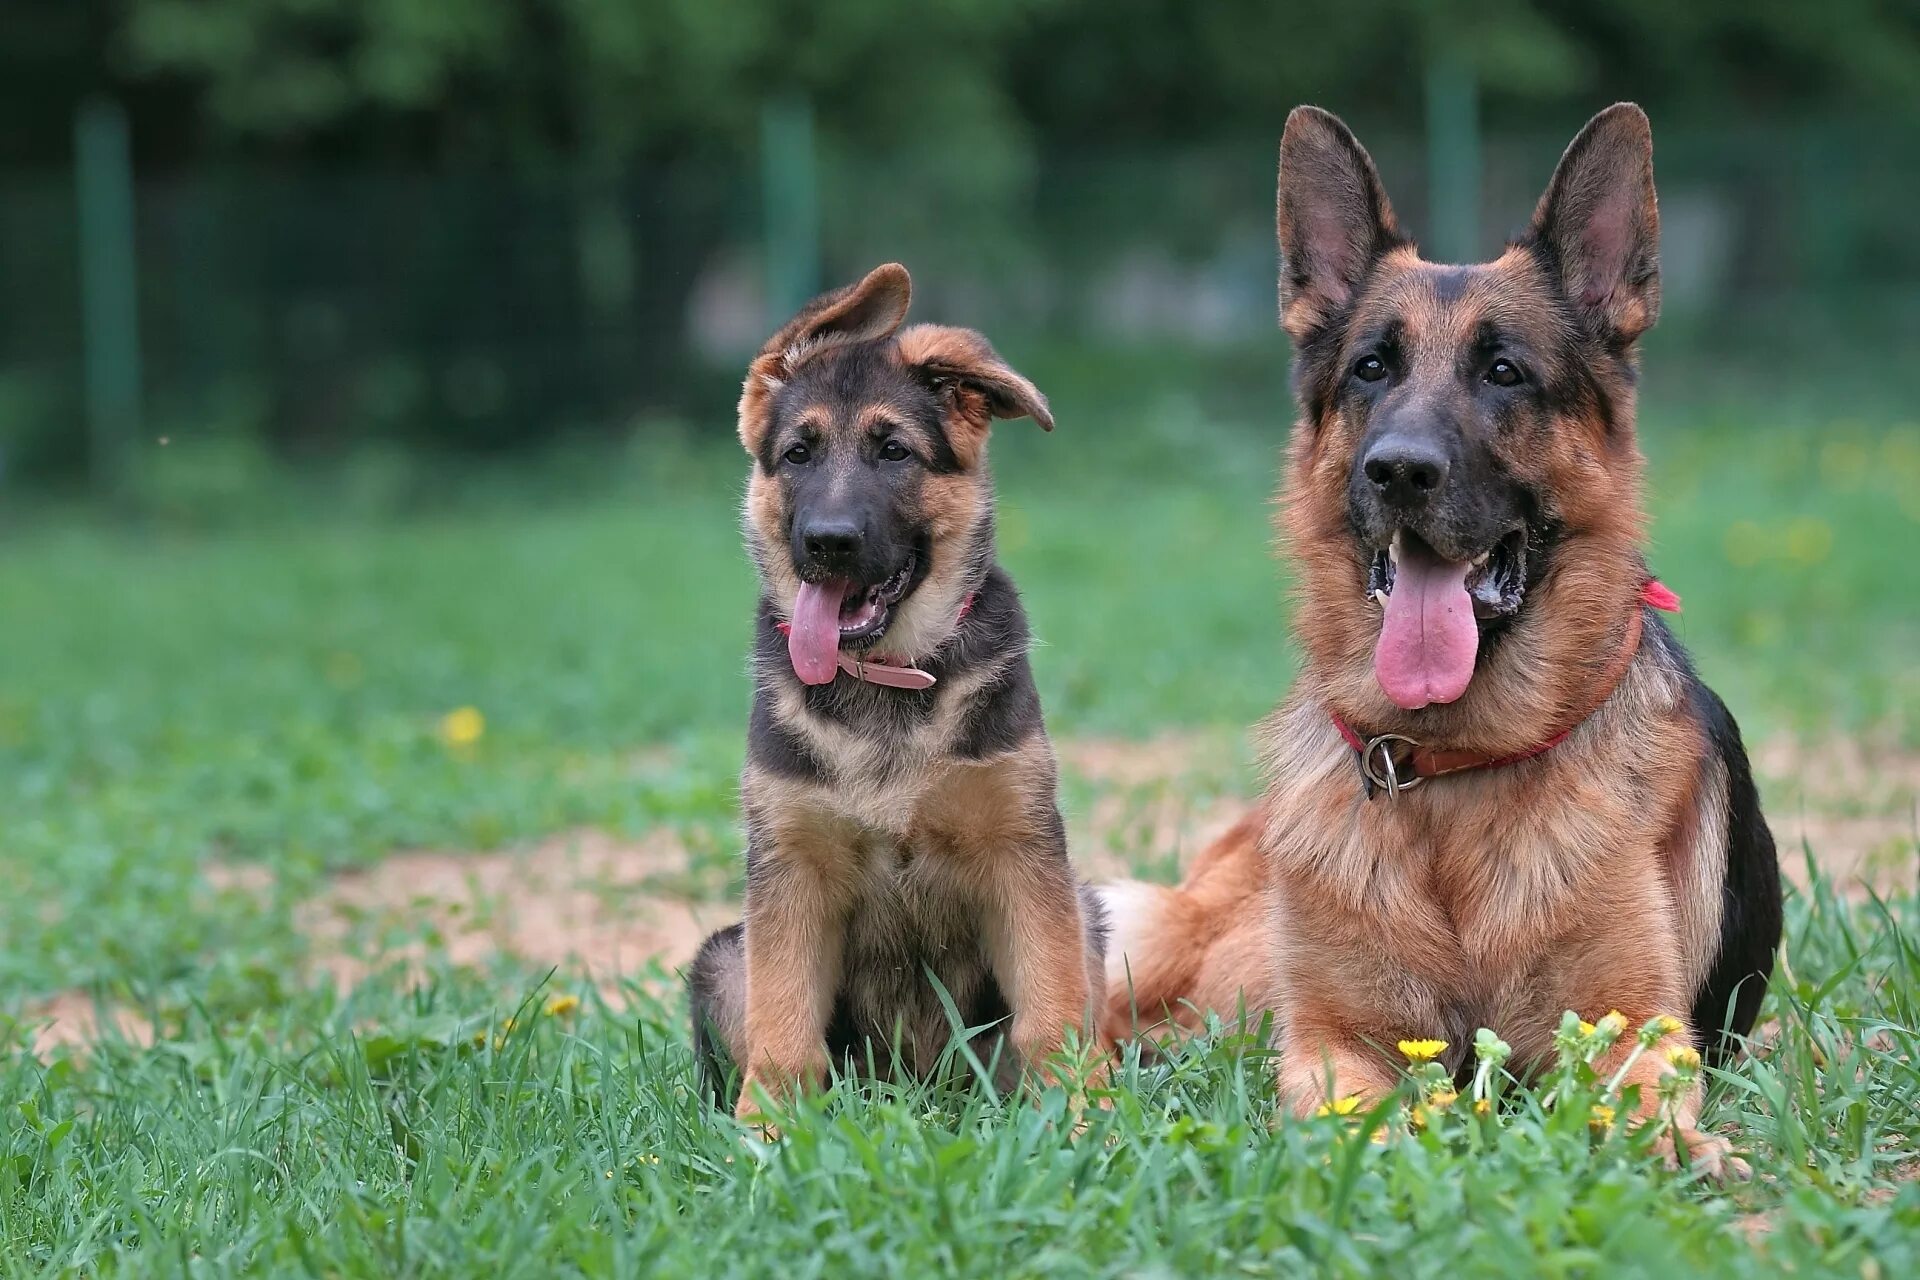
899,789
1497,790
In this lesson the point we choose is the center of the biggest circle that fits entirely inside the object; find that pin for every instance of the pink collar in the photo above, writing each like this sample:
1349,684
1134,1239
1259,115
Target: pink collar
894,674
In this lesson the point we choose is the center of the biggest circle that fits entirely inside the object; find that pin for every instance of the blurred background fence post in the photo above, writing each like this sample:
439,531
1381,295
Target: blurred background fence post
789,172
109,290
1453,159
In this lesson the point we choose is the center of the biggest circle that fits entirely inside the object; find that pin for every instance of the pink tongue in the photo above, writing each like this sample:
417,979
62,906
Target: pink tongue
813,639
1428,641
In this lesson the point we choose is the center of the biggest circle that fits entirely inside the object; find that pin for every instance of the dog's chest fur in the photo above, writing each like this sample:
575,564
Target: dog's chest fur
884,751
1461,902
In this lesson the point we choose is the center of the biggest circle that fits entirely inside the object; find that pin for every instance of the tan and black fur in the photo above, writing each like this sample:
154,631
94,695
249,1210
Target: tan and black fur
1627,868
892,834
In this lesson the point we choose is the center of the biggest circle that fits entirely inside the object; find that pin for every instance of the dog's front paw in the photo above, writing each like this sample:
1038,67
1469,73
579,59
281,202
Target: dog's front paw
762,1092
1708,1153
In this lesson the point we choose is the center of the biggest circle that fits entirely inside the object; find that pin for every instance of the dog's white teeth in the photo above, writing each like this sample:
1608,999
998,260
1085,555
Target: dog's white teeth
1479,561
1380,598
1393,550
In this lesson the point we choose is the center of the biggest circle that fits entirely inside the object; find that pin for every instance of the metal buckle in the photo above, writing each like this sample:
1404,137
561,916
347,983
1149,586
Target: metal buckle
1388,776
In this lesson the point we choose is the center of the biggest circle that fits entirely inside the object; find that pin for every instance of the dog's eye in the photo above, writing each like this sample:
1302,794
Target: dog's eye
1370,369
1505,373
894,451
799,455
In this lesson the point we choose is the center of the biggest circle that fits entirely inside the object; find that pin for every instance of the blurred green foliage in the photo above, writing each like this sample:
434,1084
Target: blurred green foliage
610,76
492,224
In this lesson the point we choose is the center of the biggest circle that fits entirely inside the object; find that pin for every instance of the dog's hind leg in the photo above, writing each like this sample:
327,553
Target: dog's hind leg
717,998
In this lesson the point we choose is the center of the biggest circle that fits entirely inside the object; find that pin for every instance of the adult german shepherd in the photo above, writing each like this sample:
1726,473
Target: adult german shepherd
1498,790
899,790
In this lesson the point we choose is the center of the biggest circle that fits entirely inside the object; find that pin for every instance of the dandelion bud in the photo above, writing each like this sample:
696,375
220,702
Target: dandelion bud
1659,1028
1490,1048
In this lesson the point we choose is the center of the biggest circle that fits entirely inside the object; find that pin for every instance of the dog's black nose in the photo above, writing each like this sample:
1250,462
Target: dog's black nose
1407,470
832,540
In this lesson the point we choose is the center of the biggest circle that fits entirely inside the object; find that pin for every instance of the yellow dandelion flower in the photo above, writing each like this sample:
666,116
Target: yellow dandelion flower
561,1006
462,727
1666,1024
1483,1106
1586,1028
1600,1119
1684,1057
1422,1050
1614,1023
1340,1106
1443,1099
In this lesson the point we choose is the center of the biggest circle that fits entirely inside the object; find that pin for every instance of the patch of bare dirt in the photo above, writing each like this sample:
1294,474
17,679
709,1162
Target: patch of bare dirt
582,902
1127,762
74,1019
253,879
593,904
1854,802
1155,803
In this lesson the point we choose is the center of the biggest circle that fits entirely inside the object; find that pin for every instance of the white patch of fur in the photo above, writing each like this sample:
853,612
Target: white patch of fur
1131,906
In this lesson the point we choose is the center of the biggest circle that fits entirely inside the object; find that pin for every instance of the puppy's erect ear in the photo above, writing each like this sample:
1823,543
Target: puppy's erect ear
974,383
1333,220
1598,225
863,312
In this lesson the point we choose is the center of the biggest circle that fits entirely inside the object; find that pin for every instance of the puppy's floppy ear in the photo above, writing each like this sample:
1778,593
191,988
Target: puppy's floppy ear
975,385
1332,217
863,312
1598,225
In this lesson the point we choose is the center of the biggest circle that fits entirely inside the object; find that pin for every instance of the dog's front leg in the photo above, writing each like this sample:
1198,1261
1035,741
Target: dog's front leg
795,934
1676,1112
1625,964
1324,1063
1037,945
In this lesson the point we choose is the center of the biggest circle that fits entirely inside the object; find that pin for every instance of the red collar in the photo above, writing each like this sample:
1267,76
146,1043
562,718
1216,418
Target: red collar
894,673
1396,763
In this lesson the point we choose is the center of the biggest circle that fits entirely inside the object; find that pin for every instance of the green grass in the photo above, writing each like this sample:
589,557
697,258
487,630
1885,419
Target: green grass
190,690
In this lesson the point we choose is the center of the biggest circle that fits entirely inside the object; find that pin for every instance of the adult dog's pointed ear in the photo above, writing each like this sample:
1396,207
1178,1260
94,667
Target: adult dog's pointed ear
863,312
1598,225
1333,220
974,384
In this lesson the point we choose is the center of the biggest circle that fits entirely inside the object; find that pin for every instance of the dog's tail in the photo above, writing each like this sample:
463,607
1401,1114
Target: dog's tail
1176,954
